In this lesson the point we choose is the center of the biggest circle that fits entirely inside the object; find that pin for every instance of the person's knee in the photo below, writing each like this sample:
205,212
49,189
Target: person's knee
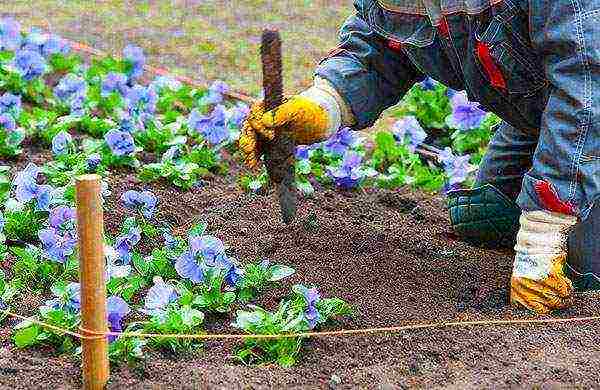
484,216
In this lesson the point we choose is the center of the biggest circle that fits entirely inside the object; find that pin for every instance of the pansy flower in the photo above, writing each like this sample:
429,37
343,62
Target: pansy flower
117,309
212,127
29,64
409,132
465,115
58,247
120,143
137,59
159,296
61,143
140,201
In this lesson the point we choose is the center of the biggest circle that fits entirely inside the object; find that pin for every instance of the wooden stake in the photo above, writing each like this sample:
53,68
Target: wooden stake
90,227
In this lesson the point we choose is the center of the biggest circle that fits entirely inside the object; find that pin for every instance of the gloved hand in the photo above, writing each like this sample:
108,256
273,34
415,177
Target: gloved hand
310,116
538,281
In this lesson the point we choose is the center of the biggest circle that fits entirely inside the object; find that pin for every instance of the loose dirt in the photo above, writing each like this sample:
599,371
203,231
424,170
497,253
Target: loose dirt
393,256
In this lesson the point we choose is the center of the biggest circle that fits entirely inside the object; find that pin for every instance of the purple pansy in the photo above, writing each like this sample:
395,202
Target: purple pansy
349,174
10,34
55,45
62,218
115,267
120,142
237,114
212,127
465,114
7,122
428,84
159,296
135,56
92,162
340,142
312,296
141,103
302,152
215,93
204,251
10,104
143,202
58,247
409,132
124,244
116,309
29,64
114,82
61,143
456,167
27,188
66,298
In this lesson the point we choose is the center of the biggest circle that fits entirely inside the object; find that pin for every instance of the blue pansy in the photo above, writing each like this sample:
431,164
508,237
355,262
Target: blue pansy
55,45
340,142
120,142
61,143
349,174
203,252
92,162
213,127
10,104
117,309
66,298
409,132
465,115
159,296
69,86
135,56
114,82
58,247
27,188
428,84
10,34
7,122
29,64
141,103
143,202
215,93
237,114
456,167
124,244
62,218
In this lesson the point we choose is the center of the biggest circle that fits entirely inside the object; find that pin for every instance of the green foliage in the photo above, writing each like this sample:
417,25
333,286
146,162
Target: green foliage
258,277
176,320
211,295
430,107
27,334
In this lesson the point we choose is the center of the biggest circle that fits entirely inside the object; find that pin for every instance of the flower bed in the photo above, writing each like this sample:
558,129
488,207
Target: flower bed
188,250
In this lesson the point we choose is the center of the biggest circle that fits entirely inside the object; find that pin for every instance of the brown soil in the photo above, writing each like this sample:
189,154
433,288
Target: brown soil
389,253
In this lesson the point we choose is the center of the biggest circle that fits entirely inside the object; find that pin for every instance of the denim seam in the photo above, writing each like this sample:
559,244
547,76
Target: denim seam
586,15
584,127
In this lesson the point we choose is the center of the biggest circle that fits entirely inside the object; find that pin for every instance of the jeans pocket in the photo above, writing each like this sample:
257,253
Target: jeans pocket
504,54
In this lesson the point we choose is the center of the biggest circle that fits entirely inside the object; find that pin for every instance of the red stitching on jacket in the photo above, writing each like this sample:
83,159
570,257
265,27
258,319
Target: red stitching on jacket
394,45
492,70
443,28
550,200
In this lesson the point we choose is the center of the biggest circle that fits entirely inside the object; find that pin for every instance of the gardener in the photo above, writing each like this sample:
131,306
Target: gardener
534,63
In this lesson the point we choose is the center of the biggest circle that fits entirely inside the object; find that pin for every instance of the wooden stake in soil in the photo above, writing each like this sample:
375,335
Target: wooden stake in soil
93,287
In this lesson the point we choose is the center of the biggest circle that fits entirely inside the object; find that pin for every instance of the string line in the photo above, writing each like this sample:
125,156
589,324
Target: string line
87,334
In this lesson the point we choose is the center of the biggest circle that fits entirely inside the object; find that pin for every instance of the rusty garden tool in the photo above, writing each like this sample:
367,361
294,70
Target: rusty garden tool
279,153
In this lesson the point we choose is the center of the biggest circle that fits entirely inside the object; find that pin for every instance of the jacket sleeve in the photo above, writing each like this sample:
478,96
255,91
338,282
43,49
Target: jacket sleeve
567,36
365,72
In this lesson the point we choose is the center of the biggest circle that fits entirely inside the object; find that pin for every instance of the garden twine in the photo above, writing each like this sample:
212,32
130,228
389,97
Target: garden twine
87,334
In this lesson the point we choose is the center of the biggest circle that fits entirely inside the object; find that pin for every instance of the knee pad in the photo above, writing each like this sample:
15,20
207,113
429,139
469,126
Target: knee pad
484,216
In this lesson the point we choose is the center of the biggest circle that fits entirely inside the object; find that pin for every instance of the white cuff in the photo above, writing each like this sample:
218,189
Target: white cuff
542,237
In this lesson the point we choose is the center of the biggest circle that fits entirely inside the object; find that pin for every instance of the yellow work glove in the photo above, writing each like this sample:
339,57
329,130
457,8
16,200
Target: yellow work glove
538,281
306,120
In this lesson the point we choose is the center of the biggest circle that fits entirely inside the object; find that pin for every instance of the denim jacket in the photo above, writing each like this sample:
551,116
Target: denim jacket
535,63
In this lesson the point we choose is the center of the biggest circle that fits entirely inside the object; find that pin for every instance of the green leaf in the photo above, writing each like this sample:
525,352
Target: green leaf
279,272
26,337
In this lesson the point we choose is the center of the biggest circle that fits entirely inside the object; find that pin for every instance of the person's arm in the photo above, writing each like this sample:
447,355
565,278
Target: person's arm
367,76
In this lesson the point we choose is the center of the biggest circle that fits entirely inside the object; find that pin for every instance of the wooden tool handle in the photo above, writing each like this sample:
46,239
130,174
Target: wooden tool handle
270,52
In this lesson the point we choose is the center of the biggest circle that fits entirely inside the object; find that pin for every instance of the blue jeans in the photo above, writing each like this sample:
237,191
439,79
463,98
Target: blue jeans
535,63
